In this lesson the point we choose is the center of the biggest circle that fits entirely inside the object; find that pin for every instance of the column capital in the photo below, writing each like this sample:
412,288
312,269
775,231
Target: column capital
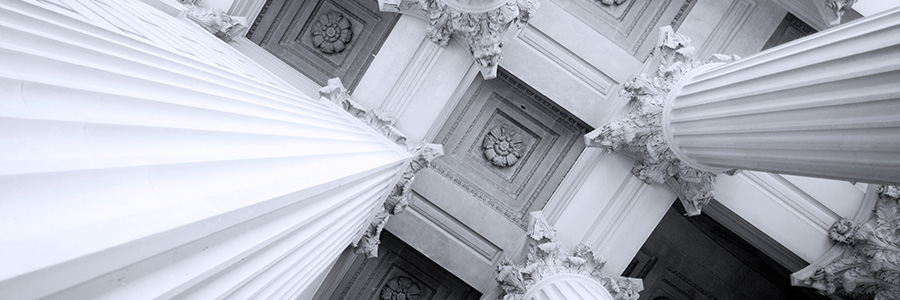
217,22
838,7
639,133
870,254
399,197
479,26
547,260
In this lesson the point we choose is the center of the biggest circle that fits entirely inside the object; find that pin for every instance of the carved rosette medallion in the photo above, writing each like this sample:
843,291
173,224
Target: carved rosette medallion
400,288
639,134
870,260
331,33
503,146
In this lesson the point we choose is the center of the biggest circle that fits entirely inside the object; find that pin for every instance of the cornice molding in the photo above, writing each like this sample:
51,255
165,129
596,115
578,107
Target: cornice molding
480,29
639,133
399,197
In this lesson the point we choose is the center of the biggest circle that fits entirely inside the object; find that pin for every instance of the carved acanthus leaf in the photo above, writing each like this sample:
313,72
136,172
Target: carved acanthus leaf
539,229
480,31
612,2
546,259
838,7
870,261
379,120
422,156
215,21
639,134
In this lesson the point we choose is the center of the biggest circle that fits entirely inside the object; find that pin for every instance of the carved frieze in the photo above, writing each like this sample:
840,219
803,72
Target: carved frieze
640,133
503,146
400,288
422,156
331,32
480,30
546,259
870,261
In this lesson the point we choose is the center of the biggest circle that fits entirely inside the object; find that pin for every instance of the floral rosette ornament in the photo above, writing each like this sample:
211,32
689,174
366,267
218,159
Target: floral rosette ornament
331,33
503,146
400,288
843,231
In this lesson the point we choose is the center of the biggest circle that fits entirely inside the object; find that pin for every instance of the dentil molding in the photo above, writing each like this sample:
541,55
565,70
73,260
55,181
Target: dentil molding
422,156
479,26
639,133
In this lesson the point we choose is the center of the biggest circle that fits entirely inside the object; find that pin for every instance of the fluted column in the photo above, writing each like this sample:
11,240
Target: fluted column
141,157
568,287
551,273
823,106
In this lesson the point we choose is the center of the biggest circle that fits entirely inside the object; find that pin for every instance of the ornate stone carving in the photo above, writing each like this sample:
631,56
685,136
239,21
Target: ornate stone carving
331,32
870,262
545,259
838,7
399,198
503,146
612,2
377,119
400,288
639,134
371,237
539,229
481,31
218,23
422,156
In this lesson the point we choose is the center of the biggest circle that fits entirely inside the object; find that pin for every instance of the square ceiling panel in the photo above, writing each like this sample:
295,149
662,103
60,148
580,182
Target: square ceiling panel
324,39
509,146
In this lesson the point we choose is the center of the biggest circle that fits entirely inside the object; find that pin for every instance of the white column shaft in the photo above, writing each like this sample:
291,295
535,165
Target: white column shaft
568,287
130,169
823,106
